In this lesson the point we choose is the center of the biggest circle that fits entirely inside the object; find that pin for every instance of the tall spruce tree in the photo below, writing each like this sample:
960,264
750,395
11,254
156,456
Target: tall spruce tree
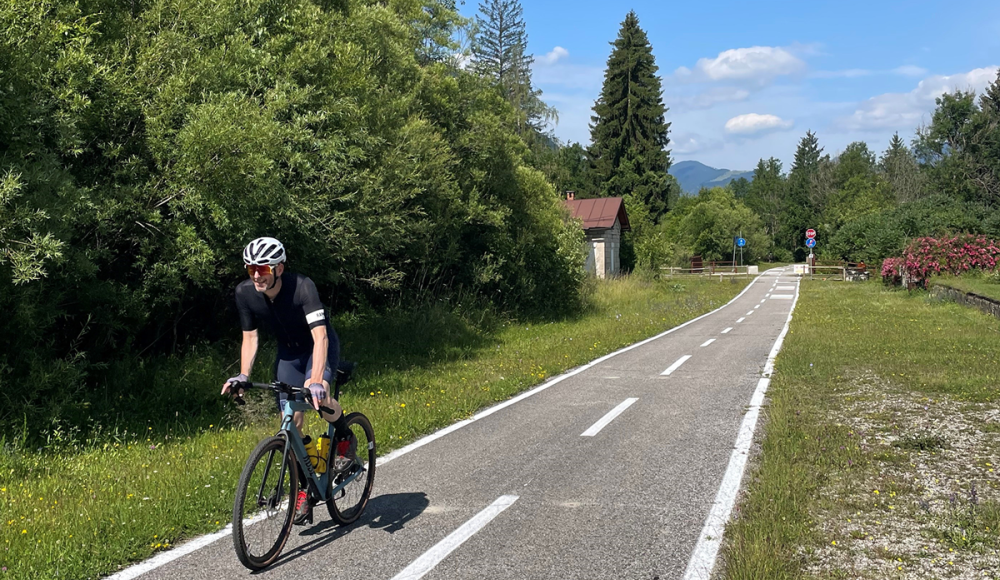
900,169
766,195
500,52
629,150
798,214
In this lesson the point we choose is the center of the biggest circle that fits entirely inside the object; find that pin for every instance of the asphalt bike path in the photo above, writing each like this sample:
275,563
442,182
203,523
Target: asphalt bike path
612,472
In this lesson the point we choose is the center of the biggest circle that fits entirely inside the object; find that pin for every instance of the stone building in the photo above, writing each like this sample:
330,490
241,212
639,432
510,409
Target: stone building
604,220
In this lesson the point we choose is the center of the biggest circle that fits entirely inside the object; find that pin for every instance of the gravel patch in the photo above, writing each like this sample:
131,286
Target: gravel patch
928,505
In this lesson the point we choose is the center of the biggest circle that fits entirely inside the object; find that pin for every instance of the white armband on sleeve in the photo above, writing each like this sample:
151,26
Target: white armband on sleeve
315,316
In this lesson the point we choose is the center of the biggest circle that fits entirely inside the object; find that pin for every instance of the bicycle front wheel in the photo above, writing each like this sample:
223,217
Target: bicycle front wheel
265,503
346,506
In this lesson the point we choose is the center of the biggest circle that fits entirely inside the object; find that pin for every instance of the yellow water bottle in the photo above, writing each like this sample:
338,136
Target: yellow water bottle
311,450
323,453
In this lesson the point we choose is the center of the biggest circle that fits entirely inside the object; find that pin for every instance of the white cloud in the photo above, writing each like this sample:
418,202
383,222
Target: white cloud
462,60
755,124
850,73
759,64
690,143
563,75
909,70
555,55
907,110
708,99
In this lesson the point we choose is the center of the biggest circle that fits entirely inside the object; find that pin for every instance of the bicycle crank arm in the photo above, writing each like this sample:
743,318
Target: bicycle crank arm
344,483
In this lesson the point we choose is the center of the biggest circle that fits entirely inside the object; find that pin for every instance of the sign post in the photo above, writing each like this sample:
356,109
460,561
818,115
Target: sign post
811,243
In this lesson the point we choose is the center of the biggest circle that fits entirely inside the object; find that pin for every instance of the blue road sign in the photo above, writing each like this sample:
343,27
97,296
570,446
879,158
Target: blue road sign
741,242
811,242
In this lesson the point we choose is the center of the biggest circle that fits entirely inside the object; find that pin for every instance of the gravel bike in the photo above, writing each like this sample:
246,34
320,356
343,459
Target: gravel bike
265,495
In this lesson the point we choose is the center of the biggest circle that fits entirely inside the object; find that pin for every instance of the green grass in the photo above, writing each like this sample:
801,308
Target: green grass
84,508
975,282
874,440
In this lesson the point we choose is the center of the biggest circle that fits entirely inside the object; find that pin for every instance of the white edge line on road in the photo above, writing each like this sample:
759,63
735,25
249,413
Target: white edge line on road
180,551
707,549
201,541
707,342
726,330
676,365
440,551
603,422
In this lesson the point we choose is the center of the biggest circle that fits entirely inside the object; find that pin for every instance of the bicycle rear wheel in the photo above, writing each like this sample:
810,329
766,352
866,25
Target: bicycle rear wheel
346,507
265,503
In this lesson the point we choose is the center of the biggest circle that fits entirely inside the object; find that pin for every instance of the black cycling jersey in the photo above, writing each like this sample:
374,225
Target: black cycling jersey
296,310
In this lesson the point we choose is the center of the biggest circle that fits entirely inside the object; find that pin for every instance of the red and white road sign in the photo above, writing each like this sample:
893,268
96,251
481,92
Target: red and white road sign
810,233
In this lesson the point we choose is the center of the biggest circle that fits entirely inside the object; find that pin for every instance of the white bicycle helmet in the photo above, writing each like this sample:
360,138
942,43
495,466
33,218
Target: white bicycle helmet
264,252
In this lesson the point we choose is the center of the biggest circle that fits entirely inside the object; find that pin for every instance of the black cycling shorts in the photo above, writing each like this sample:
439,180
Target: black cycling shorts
294,371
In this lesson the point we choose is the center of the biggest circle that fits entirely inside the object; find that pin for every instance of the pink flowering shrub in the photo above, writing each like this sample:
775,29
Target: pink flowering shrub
925,257
892,271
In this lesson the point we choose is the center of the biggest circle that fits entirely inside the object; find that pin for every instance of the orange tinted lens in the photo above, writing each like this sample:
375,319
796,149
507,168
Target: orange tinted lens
262,270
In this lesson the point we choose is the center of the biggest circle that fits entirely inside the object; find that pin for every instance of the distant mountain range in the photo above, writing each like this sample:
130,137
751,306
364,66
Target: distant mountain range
693,176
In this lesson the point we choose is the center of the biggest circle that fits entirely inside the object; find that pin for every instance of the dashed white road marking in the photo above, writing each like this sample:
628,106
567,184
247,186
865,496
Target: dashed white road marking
741,320
197,543
707,342
596,427
440,551
726,331
749,313
707,549
756,306
676,365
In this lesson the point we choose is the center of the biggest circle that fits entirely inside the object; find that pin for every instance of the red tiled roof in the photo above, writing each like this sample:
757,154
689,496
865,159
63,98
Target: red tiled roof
599,212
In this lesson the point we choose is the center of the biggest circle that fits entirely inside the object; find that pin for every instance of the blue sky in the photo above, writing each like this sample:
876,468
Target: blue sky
745,80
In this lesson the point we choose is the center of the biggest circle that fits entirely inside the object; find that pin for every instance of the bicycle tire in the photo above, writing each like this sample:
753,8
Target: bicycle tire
261,490
348,507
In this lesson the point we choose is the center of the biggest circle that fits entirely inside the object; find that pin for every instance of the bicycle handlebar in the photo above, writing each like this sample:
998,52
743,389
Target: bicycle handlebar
343,375
276,386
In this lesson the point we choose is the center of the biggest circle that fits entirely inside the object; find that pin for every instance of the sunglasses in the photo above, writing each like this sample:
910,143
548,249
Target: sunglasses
262,270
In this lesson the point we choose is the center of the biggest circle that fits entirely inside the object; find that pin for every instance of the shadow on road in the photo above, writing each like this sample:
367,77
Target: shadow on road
387,512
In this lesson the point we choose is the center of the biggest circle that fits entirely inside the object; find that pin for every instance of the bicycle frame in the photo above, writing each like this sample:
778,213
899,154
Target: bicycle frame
291,435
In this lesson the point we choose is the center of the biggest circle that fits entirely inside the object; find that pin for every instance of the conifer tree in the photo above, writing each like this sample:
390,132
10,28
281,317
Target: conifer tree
766,194
500,54
797,211
900,169
629,150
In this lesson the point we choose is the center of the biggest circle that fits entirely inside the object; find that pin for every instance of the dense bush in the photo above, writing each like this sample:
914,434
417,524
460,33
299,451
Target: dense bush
876,236
143,144
707,225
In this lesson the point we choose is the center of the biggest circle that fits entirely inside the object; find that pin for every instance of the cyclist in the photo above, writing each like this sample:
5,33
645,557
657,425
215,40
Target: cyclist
287,304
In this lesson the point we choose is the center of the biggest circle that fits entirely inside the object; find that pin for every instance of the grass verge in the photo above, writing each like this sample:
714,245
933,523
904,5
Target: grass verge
975,282
81,510
880,447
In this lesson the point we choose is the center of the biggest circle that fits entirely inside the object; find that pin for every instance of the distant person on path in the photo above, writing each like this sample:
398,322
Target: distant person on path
288,306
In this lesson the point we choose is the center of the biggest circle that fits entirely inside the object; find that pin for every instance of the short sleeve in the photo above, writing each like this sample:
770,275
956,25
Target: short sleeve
312,307
247,320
